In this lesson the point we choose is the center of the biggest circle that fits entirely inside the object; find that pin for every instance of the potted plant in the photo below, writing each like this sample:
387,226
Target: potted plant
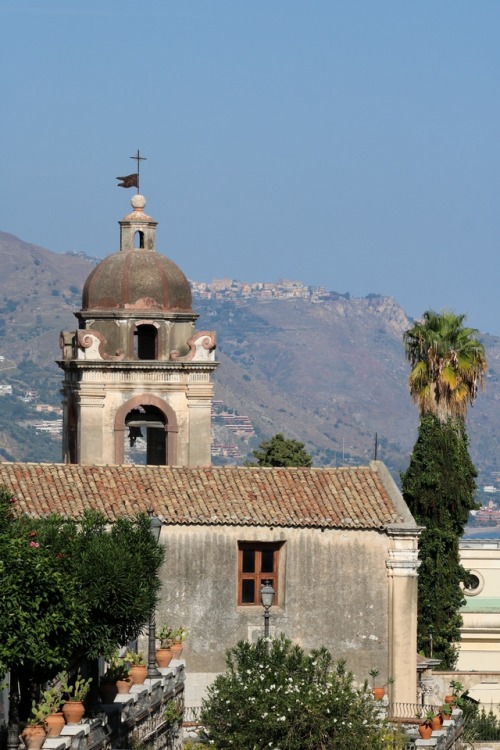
456,687
73,709
379,692
116,679
138,670
179,636
425,727
445,711
52,701
164,654
34,732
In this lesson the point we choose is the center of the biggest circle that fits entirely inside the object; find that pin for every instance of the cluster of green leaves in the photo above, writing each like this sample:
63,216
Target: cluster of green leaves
448,364
71,590
275,696
439,489
281,451
173,713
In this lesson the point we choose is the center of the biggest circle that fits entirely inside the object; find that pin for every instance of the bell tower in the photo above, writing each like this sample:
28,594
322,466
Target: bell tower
136,366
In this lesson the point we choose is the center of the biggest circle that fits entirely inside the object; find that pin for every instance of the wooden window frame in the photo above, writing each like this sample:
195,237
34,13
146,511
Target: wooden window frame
258,576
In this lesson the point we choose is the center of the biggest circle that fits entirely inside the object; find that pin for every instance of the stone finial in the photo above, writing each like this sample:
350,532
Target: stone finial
138,202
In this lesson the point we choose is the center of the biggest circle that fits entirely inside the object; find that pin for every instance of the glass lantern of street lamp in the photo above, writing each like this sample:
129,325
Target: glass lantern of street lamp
267,594
154,525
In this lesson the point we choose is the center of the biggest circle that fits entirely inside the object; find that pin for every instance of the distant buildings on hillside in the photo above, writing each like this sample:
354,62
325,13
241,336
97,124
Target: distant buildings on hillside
283,289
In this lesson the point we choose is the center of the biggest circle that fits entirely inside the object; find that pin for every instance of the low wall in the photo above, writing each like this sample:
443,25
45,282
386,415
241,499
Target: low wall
132,720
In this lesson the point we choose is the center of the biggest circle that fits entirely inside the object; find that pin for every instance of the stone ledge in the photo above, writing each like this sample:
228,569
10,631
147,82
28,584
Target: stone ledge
137,715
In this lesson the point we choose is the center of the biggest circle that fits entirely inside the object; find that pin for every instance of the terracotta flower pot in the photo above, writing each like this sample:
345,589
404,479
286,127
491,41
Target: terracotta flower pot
138,673
378,693
73,712
437,722
124,686
33,737
163,656
449,699
177,650
54,724
425,731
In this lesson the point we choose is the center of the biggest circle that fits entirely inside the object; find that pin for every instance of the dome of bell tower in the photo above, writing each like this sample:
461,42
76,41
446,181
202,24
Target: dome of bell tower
137,277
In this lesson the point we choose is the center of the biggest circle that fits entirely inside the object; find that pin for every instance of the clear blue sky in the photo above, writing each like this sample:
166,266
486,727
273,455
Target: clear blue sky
348,144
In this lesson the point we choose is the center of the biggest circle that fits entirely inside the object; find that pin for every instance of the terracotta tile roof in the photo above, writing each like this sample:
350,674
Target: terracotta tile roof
338,498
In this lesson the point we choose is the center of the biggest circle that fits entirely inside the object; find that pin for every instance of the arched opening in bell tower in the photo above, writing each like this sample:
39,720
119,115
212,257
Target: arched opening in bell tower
146,433
149,423
139,240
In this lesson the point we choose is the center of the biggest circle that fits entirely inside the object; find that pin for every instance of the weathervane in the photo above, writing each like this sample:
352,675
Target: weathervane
132,180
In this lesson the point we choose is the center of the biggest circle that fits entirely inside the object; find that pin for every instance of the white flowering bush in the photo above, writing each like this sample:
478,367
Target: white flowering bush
274,696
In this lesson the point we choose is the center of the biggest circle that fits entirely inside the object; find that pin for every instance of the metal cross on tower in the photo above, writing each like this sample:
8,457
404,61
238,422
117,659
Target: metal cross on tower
138,159
132,180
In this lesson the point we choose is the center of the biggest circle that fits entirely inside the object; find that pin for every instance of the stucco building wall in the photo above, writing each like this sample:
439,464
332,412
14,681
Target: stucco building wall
480,645
336,588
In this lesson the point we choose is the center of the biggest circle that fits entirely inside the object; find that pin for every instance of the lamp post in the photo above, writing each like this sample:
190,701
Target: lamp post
266,596
13,726
153,671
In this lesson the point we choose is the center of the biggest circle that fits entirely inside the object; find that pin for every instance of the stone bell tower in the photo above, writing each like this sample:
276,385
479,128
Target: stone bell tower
136,366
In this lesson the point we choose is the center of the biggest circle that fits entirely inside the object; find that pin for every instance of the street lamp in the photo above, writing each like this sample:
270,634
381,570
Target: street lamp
266,596
153,671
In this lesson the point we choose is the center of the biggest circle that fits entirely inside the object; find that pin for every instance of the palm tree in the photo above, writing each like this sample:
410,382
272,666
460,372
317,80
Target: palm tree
448,364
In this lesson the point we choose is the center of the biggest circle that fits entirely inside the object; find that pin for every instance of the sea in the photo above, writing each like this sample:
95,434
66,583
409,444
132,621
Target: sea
486,533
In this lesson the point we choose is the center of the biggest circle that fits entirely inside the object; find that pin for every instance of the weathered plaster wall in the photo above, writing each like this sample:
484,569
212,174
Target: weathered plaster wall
333,591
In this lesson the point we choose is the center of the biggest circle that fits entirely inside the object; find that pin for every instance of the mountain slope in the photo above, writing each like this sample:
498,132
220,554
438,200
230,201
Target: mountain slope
331,373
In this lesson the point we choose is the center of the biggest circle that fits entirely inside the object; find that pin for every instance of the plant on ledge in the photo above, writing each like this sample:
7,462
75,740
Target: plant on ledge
76,691
133,658
166,636
118,669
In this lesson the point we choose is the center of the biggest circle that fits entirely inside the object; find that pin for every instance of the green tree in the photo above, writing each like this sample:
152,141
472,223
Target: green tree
70,591
274,695
448,364
439,489
42,615
115,566
281,451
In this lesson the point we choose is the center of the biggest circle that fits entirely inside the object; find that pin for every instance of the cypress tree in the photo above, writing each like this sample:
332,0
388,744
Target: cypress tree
439,489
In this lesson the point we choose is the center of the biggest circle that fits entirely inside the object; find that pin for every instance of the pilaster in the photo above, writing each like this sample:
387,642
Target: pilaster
402,572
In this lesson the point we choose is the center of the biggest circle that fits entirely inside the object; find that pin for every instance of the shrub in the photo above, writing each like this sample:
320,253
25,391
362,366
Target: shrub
275,696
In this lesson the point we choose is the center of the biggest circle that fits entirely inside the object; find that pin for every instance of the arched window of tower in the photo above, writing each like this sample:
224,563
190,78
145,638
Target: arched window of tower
139,240
147,436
